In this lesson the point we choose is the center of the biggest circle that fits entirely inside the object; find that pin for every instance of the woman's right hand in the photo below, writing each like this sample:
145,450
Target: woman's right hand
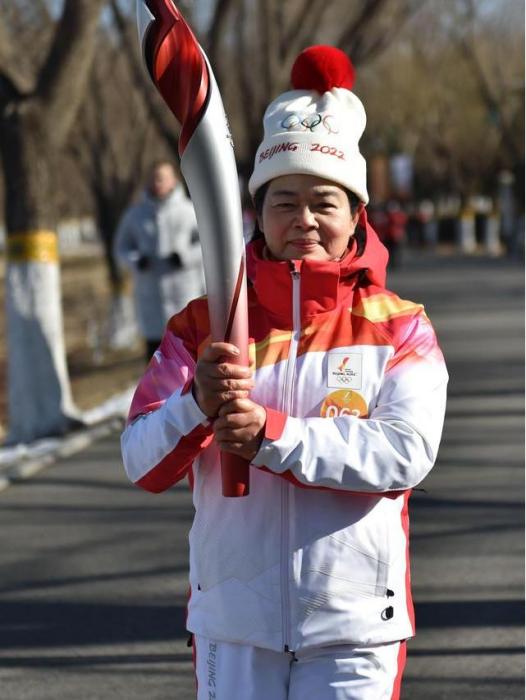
218,380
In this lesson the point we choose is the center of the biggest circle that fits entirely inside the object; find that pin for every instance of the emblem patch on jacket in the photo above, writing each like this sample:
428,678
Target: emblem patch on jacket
344,370
344,402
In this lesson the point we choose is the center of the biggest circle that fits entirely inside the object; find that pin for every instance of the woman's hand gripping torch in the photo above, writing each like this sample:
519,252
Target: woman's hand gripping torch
182,74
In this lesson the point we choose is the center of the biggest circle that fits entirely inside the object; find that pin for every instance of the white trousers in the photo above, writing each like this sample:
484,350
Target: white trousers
227,671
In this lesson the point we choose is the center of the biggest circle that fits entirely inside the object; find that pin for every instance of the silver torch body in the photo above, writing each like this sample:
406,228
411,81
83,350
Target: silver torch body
182,74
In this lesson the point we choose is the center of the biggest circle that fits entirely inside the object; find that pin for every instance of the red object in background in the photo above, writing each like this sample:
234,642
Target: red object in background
396,223
389,222
377,217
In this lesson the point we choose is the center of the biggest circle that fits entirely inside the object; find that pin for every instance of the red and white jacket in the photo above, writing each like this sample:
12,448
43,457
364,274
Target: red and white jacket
355,388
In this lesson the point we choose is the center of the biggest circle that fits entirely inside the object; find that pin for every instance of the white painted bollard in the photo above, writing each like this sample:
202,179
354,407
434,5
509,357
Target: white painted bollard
492,235
466,239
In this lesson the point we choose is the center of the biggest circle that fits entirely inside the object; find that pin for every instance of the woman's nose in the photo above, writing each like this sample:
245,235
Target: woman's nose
306,218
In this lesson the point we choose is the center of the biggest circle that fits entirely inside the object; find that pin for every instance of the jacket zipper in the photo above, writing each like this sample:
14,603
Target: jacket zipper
285,492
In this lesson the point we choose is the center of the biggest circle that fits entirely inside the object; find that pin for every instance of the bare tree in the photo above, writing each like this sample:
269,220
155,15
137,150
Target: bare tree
264,38
38,105
251,46
110,142
158,112
450,93
113,144
503,99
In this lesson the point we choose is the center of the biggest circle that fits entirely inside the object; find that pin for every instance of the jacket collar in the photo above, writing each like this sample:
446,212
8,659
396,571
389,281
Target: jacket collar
324,285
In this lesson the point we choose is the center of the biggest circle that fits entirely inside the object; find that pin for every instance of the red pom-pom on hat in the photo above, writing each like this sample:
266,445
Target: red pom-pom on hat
322,68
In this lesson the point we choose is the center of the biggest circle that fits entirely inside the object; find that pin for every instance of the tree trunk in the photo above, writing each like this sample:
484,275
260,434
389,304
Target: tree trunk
40,401
36,115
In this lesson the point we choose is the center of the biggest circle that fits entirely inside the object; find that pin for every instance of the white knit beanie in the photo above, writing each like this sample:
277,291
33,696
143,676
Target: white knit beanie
315,128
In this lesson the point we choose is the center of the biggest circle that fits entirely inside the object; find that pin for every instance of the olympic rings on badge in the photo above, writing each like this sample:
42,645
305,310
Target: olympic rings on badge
342,379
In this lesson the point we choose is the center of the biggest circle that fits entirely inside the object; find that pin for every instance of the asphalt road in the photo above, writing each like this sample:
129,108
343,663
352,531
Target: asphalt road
93,571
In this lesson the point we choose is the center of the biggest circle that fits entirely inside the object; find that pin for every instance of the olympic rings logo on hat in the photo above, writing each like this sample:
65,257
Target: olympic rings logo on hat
331,124
298,121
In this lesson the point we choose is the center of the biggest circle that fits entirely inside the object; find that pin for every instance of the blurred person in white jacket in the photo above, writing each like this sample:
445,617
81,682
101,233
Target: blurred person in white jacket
157,240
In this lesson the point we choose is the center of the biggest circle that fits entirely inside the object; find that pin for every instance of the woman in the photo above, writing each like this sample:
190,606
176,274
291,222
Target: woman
300,590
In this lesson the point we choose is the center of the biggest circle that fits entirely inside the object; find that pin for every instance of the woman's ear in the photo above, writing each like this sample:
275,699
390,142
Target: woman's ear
357,213
260,222
355,218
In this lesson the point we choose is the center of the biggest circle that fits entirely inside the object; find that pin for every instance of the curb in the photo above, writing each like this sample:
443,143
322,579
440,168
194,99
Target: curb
69,445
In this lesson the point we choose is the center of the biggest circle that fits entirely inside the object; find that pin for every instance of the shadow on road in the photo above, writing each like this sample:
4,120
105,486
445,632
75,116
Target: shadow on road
469,613
46,624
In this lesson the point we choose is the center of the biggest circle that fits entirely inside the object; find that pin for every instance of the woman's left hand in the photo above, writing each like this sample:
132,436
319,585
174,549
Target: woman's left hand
239,427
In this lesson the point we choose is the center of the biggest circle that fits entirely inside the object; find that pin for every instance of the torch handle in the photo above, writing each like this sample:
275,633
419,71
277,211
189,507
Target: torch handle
234,469
234,475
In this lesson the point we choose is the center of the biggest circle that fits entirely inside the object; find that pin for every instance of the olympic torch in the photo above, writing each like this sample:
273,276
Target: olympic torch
181,72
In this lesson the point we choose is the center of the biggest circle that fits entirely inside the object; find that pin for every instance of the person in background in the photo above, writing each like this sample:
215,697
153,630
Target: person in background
390,221
300,590
158,241
397,219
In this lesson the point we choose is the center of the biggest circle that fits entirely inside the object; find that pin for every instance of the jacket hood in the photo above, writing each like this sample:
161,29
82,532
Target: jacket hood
374,258
325,284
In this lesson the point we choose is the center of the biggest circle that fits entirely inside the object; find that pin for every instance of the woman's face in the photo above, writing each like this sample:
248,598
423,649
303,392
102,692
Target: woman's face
305,217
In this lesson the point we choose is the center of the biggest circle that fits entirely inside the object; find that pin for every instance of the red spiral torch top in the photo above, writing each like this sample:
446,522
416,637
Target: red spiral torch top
176,65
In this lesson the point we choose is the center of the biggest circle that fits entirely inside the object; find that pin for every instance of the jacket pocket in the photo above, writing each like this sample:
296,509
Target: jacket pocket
342,563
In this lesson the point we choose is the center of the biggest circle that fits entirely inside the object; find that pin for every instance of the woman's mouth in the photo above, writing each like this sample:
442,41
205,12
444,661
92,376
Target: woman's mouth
304,243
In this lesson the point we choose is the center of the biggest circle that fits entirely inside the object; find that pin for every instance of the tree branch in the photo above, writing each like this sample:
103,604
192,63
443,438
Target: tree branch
156,108
265,25
368,45
216,32
251,111
349,35
302,29
273,11
467,47
13,83
63,77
